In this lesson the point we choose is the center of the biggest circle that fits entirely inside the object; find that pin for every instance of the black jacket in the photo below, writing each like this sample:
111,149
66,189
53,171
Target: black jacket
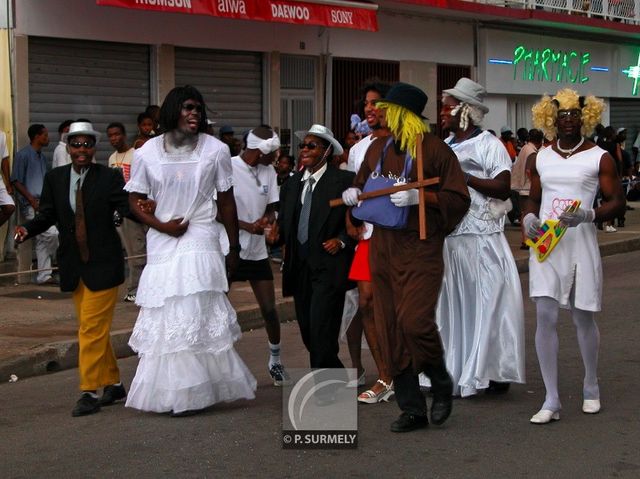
102,195
324,223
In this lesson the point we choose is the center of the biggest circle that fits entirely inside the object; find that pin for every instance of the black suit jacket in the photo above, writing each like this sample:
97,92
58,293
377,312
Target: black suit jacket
102,195
324,223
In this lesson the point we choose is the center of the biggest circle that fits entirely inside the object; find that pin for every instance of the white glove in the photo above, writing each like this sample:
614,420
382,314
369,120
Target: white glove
531,225
577,217
404,198
350,196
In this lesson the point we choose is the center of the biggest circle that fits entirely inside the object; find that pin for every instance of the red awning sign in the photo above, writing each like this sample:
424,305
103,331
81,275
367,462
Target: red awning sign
330,13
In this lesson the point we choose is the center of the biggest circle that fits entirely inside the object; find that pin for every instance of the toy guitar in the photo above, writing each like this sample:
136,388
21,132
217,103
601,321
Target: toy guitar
549,234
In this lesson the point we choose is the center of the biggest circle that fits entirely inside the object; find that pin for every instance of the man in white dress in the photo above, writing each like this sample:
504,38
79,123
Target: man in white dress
186,328
480,311
571,168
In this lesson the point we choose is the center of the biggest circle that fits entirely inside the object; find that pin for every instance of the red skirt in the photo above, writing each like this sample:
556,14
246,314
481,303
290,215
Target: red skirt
360,270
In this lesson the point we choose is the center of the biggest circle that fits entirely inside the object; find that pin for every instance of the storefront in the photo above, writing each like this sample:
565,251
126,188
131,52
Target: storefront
517,68
251,70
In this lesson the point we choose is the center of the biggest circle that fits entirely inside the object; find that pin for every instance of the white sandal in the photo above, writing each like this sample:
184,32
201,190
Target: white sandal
370,397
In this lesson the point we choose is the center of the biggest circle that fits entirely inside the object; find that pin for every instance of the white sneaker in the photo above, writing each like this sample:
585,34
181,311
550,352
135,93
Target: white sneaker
609,229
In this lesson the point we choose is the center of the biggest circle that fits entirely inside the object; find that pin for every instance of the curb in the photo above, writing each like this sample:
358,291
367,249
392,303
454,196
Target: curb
60,355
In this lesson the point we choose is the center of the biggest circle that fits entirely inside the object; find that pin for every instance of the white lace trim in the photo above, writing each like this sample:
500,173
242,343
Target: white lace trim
187,273
136,187
224,184
201,322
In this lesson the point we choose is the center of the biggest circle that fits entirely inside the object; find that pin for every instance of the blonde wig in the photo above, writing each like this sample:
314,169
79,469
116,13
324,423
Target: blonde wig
404,125
545,112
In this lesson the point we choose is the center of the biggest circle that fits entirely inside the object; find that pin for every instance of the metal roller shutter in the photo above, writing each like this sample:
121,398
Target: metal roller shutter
100,81
230,82
625,112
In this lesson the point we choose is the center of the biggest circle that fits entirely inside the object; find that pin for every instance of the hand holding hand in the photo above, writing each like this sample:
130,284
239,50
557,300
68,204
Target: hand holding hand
573,219
350,196
272,233
175,228
531,225
332,246
404,198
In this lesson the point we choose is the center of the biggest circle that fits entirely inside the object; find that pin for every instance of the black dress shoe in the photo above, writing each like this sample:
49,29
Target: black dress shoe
496,387
87,404
409,422
112,394
442,389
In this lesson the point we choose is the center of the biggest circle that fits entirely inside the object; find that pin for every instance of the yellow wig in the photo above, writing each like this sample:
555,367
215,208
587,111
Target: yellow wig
545,111
404,125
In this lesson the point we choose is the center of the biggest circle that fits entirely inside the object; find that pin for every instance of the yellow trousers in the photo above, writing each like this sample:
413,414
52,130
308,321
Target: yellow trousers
97,364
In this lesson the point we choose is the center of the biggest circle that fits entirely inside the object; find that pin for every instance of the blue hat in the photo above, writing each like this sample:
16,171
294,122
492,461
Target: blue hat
226,129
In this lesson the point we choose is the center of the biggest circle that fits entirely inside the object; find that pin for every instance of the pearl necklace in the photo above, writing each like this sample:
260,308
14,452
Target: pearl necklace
570,151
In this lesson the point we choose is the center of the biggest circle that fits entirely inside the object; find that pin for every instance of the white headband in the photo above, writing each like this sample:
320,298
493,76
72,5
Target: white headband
265,146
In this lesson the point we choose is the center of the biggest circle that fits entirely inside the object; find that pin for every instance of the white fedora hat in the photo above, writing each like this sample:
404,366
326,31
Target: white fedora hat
470,92
324,133
83,128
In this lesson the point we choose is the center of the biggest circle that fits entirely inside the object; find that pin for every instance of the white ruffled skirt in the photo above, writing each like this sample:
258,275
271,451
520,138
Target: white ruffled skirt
184,337
480,313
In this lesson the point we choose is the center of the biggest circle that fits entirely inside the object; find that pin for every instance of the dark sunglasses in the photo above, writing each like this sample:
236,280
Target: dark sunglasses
86,144
573,114
311,145
192,106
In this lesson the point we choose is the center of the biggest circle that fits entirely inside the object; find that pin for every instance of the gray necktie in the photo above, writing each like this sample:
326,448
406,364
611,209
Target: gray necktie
303,222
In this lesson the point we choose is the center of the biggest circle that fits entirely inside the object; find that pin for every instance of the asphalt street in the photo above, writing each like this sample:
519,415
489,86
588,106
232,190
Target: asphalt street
487,436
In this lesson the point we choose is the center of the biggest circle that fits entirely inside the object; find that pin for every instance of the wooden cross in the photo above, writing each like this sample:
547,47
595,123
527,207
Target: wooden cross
420,185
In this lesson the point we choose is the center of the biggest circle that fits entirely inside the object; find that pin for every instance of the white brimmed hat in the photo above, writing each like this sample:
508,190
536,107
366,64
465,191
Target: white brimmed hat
324,133
83,128
470,92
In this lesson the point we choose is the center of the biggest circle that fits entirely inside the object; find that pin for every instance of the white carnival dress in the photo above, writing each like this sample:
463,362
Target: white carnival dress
480,312
186,327
575,261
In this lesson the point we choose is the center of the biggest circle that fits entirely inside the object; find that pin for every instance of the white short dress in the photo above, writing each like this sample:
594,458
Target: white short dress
574,266
186,327
480,312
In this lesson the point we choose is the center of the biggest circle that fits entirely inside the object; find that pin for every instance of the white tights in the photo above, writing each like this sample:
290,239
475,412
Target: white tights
547,349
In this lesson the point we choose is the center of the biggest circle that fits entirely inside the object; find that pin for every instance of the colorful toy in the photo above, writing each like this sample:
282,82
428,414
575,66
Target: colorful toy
549,234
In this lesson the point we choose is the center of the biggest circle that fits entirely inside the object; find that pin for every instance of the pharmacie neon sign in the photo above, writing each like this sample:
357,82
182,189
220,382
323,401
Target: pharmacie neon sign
548,65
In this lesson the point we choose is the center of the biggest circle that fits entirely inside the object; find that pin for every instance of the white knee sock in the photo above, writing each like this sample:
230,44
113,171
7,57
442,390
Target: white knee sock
274,354
589,342
547,349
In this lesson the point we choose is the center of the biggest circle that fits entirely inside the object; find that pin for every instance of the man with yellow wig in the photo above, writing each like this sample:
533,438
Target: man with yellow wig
406,272
571,168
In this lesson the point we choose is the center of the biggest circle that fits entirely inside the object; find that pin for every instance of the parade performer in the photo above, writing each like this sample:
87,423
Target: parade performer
480,311
382,389
572,168
81,199
257,195
318,251
186,328
407,272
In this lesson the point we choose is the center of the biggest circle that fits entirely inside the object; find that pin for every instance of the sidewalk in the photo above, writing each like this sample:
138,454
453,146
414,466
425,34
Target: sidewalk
38,326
